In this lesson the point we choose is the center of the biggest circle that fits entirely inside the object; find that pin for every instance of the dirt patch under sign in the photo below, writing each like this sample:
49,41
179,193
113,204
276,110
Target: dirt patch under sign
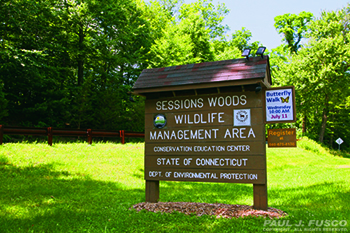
217,209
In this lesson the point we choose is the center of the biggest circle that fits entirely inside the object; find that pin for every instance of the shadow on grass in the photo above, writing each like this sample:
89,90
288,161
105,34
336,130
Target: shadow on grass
140,174
40,199
343,154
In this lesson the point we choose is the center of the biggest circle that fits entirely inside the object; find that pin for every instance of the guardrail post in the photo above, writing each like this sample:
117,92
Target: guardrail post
89,134
1,134
49,135
121,133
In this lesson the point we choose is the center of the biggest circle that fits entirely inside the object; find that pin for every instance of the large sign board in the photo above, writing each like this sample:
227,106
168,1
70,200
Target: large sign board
280,105
206,138
282,137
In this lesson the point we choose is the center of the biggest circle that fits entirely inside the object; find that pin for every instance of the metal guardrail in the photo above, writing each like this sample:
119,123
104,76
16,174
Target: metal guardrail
50,132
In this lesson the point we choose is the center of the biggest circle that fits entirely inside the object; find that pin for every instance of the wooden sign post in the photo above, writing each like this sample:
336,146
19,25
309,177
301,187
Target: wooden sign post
213,131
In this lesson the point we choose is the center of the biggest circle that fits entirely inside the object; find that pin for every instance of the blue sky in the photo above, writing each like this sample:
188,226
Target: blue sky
258,15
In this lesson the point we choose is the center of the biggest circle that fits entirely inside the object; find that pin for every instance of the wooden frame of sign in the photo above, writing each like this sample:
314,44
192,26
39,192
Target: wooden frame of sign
280,105
213,133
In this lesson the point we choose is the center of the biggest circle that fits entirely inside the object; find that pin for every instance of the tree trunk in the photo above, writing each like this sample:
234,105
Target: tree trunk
332,135
304,124
324,121
80,56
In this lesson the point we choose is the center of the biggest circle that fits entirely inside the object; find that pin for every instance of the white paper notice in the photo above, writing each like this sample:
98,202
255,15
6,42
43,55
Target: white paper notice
279,105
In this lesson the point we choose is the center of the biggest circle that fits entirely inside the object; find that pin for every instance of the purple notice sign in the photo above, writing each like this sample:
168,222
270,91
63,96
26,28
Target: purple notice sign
280,105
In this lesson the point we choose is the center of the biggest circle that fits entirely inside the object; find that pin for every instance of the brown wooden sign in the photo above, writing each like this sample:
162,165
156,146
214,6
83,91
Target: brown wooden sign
205,123
208,138
282,137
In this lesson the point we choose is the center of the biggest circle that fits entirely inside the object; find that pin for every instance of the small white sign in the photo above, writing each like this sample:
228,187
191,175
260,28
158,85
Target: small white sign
241,117
339,141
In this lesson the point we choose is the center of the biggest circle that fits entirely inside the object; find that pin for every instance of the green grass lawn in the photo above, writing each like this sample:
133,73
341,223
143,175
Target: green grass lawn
80,188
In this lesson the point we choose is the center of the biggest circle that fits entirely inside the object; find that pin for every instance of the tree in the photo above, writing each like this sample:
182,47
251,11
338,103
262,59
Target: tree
3,104
293,27
49,50
187,35
212,16
184,43
30,76
75,61
319,72
233,48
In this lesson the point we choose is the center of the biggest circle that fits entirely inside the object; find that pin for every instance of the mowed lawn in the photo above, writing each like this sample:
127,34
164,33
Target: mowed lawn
76,187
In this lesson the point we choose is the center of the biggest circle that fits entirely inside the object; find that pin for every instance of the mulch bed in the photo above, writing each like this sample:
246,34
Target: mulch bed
218,210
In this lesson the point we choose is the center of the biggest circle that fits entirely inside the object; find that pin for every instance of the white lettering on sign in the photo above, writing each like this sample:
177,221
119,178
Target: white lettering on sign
239,133
221,162
238,176
199,175
155,174
200,134
199,118
221,101
227,101
208,148
168,161
206,175
187,161
201,162
172,149
179,104
238,148
187,134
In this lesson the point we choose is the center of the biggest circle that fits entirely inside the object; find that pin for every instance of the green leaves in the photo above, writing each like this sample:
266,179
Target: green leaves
319,73
74,61
186,36
185,42
212,16
59,58
293,27
230,49
194,34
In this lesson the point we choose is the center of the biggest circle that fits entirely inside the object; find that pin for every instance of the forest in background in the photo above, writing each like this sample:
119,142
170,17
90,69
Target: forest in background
72,63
